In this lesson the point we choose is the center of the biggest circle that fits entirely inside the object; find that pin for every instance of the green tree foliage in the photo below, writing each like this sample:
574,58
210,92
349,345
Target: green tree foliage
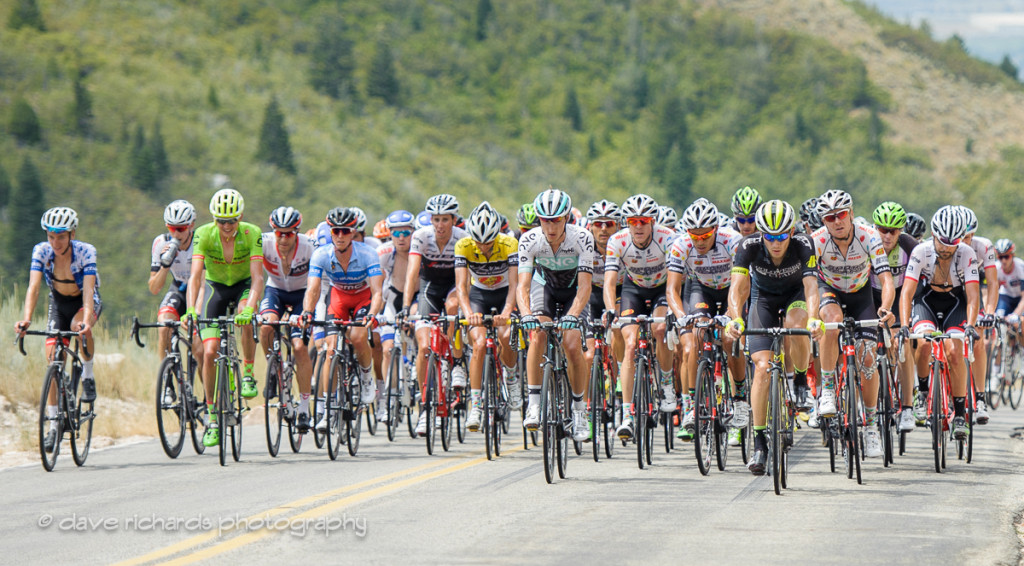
26,14
81,109
26,208
1009,68
483,13
274,146
332,63
140,163
670,131
381,81
5,187
571,111
158,153
679,175
24,123
876,129
212,99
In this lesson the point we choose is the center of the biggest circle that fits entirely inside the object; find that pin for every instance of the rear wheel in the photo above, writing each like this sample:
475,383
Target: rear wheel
993,382
564,422
197,410
704,417
170,417
314,410
273,410
50,385
1015,388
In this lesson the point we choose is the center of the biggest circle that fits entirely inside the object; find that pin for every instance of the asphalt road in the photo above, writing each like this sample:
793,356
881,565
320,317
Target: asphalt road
395,503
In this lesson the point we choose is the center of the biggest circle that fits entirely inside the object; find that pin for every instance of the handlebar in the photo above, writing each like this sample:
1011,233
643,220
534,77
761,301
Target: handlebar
20,339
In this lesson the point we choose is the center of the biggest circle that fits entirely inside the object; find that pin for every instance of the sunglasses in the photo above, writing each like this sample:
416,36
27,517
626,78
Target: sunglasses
1005,257
401,233
836,216
177,228
639,220
776,237
745,219
948,241
341,231
884,230
226,221
701,237
550,220
600,224
288,234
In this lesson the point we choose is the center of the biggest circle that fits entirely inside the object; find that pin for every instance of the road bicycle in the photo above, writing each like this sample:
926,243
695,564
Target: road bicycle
437,398
713,404
646,392
229,405
281,408
402,390
605,405
555,406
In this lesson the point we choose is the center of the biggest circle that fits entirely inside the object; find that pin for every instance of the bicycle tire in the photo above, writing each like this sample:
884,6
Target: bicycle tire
223,399
197,410
832,449
354,409
394,409
239,411
430,403
723,416
970,425
1015,391
993,381
639,411
314,411
294,436
564,429
853,407
50,381
772,429
170,419
704,408
461,417
549,420
500,421
487,405
81,435
333,405
612,414
596,404
885,416
446,417
937,419
274,412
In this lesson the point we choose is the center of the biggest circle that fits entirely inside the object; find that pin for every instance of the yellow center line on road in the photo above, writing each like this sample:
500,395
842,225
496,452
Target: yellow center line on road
291,506
327,508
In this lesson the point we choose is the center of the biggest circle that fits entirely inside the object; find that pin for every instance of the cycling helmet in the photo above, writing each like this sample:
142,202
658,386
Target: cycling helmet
667,216
285,217
1005,246
504,222
423,219
915,225
640,205
949,223
834,200
603,209
575,215
808,208
724,220
861,220
552,203
970,219
890,215
701,214
179,213
442,204
361,226
527,215
59,219
775,217
484,223
380,230
227,204
341,217
400,218
746,201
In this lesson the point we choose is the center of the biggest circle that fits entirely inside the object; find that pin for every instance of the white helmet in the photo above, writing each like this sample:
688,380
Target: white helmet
552,203
285,217
640,205
603,209
442,204
724,220
970,219
1005,246
667,216
361,225
227,204
59,219
949,223
834,200
484,223
179,213
701,214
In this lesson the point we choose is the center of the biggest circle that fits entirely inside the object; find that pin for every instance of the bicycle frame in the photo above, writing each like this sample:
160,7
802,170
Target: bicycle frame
645,386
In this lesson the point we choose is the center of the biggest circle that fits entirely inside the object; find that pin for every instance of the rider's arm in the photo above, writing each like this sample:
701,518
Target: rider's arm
992,276
513,286
35,281
584,282
256,287
157,279
888,290
739,291
376,294
88,295
523,292
972,302
312,293
811,296
673,293
907,300
195,279
462,289
412,279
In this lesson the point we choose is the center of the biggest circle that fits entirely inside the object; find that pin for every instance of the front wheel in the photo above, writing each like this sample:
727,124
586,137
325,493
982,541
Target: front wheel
550,420
354,410
774,430
333,408
239,411
170,408
54,422
81,433
887,414
273,406
937,420
704,417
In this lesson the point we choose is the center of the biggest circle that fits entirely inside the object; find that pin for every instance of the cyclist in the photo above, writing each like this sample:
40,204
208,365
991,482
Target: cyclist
947,270
486,269
667,217
394,259
915,225
603,220
68,267
361,230
172,256
286,256
1011,276
353,272
431,271
847,254
380,231
776,269
526,219
641,251
987,269
890,218
556,262
230,253
809,219
745,203
702,259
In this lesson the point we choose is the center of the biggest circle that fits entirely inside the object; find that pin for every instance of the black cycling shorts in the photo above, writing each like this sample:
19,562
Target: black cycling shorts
876,294
173,303
63,308
765,313
638,300
483,300
942,311
550,302
432,297
702,300
860,305
218,298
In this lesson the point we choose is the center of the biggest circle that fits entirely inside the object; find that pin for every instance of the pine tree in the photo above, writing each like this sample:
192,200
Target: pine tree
24,124
81,111
140,166
158,153
875,130
26,208
1009,68
5,188
25,14
382,82
483,13
679,175
274,146
671,130
572,110
211,98
332,63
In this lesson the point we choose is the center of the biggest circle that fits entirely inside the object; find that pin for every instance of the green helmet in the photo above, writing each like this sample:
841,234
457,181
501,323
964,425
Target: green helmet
745,202
527,215
890,215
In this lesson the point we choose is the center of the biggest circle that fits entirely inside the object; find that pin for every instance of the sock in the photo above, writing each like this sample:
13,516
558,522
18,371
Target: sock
247,368
828,380
872,414
579,404
474,397
304,402
380,388
51,413
365,372
922,383
534,395
739,390
760,440
800,378
210,410
791,380
87,370
320,402
959,406
627,409
666,378
510,373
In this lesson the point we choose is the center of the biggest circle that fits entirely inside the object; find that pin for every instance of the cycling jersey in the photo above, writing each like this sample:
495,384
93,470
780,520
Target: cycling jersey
557,269
180,268
372,242
711,269
849,273
897,258
985,252
294,277
753,259
963,268
488,272
646,267
386,256
1010,283
362,265
207,248
598,273
83,262
437,265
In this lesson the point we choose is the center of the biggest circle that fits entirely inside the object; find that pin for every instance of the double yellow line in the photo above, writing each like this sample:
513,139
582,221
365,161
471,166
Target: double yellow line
416,475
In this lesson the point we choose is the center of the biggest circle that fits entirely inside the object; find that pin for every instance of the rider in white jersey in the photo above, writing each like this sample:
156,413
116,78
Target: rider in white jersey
180,218
394,259
987,268
1011,279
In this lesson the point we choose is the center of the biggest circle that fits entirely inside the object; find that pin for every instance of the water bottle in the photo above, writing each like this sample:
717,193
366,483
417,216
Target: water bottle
167,258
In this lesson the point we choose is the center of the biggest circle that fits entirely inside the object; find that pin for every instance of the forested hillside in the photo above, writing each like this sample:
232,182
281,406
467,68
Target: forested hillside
117,108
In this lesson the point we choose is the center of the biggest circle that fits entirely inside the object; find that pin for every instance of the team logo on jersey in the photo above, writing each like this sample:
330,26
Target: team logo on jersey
701,305
627,312
698,262
490,281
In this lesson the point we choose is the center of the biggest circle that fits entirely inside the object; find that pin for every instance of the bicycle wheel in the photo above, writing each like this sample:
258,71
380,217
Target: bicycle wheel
853,411
832,446
936,420
487,405
239,411
723,415
596,404
197,411
50,383
80,433
314,410
704,417
294,436
550,421
333,407
430,402
970,422
170,417
460,415
500,420
639,411
445,410
773,430
564,428
612,414
393,393
1015,390
885,414
354,411
223,408
273,411
993,378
